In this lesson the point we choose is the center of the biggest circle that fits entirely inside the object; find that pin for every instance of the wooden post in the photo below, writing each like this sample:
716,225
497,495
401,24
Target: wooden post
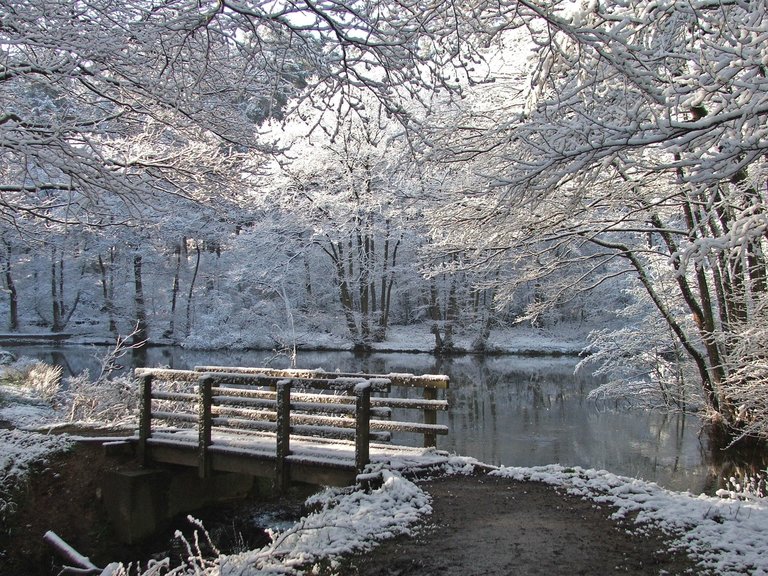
204,423
145,417
283,447
430,417
362,425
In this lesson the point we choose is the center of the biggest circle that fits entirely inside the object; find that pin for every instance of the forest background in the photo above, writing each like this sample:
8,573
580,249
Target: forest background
250,173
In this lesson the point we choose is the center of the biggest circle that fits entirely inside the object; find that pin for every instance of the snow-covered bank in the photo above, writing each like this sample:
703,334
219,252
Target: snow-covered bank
727,536
517,340
414,338
20,452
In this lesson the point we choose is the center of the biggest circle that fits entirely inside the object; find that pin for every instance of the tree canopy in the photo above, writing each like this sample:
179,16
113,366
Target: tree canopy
552,148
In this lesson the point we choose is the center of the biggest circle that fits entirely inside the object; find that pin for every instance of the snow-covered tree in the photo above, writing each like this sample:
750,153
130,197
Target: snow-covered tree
345,192
114,102
638,152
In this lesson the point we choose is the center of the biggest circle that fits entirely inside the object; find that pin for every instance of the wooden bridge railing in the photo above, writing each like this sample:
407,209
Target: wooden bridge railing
285,402
429,383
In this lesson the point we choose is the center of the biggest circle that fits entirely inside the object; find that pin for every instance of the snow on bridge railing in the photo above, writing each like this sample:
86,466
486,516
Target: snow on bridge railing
439,381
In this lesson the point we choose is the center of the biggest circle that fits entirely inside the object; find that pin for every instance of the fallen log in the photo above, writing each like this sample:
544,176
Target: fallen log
82,564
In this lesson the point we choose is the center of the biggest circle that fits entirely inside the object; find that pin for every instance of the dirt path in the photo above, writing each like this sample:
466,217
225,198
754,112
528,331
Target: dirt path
490,526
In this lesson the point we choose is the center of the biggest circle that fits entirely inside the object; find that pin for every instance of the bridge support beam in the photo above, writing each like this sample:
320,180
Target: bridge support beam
283,437
362,425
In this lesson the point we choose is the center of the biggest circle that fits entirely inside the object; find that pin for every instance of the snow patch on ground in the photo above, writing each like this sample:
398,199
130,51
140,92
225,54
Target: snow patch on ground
24,412
725,536
20,451
346,521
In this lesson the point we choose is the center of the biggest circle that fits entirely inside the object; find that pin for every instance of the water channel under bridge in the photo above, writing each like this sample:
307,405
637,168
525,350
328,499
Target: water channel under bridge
511,410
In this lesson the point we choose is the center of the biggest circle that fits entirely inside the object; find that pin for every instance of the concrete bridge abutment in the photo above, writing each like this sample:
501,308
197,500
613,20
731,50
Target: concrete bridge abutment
142,502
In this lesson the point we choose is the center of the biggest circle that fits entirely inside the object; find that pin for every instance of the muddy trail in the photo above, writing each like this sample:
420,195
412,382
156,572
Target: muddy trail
489,526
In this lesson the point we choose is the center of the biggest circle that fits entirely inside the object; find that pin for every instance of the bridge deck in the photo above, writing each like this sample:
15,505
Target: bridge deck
312,459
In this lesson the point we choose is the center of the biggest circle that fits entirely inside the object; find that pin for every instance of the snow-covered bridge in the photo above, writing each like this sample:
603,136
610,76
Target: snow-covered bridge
290,425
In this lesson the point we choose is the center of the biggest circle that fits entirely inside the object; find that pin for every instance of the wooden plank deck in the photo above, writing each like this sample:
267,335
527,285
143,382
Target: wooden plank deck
312,460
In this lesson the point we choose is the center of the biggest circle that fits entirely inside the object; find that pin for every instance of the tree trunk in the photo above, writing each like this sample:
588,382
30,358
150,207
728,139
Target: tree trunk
107,289
141,333
363,251
13,304
190,293
10,286
174,292
434,314
442,320
57,303
387,281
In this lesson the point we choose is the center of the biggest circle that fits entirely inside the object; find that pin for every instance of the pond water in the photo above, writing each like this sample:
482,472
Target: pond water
511,410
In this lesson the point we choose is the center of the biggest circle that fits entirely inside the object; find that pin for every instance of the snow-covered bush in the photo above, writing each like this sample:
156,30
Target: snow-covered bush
44,380
229,324
641,361
747,384
35,378
746,486
106,400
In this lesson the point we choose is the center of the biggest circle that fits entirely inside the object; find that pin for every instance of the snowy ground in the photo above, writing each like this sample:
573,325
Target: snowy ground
20,452
727,535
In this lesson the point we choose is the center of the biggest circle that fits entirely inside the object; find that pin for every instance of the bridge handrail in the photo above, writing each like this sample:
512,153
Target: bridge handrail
430,383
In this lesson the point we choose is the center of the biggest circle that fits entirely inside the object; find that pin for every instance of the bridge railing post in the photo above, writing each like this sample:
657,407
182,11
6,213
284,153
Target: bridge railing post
283,446
362,425
204,424
430,417
145,417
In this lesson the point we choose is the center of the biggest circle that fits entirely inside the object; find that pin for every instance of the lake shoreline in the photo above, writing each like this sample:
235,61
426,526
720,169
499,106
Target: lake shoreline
415,339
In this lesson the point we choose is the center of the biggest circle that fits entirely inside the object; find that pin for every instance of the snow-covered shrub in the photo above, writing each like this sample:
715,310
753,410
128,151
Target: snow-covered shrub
36,379
44,380
227,324
642,362
746,486
106,400
747,383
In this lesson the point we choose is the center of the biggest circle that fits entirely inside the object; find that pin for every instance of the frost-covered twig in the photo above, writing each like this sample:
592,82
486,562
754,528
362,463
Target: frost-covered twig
108,362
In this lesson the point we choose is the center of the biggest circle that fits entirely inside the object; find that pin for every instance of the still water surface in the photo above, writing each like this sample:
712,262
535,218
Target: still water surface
511,410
